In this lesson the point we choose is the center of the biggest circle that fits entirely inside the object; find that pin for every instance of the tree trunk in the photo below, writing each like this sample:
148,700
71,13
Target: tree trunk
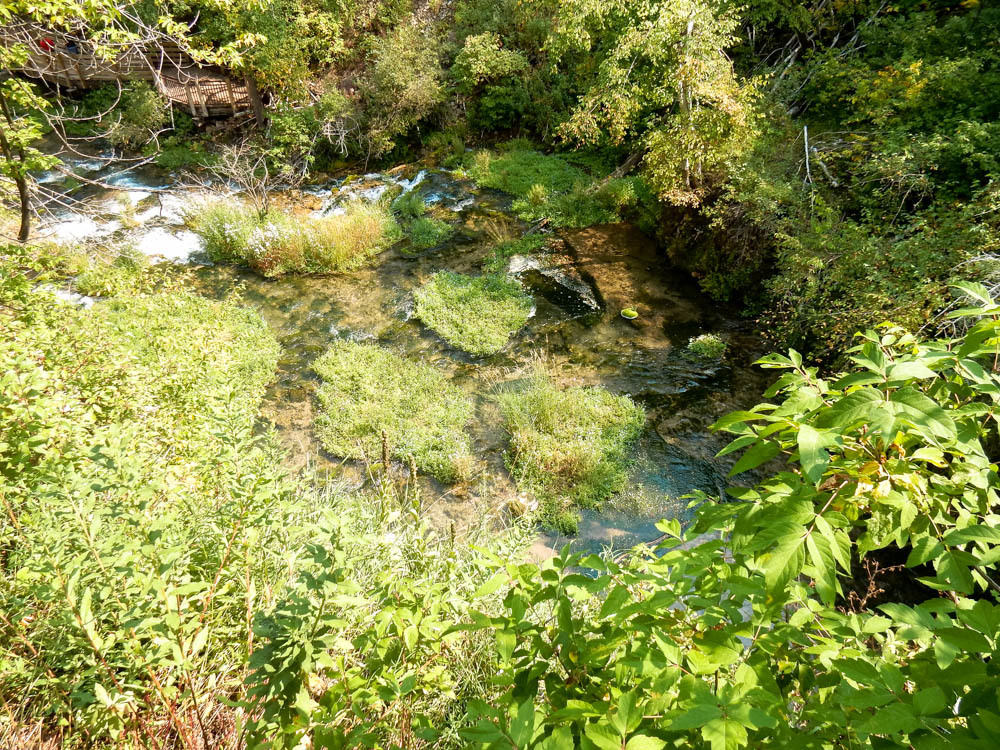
15,159
255,101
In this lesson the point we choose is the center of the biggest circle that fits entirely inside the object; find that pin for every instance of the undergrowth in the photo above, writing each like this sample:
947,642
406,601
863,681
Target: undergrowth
547,188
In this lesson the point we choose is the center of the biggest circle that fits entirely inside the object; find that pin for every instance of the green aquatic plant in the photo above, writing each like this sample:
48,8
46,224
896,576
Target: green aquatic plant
569,446
280,243
708,346
427,232
478,314
409,205
368,391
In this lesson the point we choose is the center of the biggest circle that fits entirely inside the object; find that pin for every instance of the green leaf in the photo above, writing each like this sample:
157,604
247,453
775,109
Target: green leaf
723,734
644,742
760,453
812,452
785,561
910,371
696,716
603,735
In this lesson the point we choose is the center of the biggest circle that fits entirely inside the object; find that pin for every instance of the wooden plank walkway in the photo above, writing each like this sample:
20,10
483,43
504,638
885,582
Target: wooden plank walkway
63,61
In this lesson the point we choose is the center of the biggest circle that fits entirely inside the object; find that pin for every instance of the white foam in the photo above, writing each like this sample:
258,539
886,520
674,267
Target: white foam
174,246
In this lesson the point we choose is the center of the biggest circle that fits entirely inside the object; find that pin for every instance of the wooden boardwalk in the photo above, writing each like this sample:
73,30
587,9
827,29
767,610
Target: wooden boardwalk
63,61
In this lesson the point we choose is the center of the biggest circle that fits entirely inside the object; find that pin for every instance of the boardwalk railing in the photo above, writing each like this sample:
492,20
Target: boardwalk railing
62,60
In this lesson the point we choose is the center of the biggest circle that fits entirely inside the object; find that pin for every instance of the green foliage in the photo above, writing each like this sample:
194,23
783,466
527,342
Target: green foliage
178,153
409,205
663,82
709,346
280,243
140,114
403,84
369,392
569,446
545,187
360,653
138,508
704,644
427,232
478,314
901,187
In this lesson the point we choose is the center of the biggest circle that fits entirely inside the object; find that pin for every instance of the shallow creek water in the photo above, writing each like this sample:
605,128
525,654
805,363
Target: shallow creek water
576,331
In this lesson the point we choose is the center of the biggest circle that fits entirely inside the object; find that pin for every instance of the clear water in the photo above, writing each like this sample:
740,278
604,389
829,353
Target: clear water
645,358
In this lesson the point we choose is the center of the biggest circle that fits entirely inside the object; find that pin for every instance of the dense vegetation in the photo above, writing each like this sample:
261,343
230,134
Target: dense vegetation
165,581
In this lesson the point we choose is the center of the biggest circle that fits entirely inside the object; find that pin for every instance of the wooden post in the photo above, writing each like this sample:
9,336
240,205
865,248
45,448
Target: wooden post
201,97
187,93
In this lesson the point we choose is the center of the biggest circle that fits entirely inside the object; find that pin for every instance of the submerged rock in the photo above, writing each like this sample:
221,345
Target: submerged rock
556,277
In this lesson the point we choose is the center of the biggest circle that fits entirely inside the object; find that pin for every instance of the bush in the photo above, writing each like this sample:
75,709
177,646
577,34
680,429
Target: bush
368,390
127,466
409,205
427,232
141,112
709,346
569,447
478,314
278,244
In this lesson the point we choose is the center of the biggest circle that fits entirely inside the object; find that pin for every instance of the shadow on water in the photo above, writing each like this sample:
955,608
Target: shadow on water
577,332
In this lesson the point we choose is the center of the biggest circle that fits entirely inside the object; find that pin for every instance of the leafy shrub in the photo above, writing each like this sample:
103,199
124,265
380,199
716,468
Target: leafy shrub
569,446
127,467
427,232
141,112
176,153
476,313
708,346
280,243
368,391
403,85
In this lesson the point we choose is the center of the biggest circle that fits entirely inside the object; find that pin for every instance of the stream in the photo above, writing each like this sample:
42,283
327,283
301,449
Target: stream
576,331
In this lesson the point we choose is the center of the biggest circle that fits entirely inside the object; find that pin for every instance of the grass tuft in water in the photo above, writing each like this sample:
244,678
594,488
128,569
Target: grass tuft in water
367,389
477,314
569,446
280,243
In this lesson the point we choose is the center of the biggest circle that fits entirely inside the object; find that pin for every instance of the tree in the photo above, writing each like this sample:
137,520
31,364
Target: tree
662,79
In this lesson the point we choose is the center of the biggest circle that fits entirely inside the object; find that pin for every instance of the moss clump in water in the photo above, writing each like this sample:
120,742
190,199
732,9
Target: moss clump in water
427,232
368,389
477,314
279,243
569,447
708,346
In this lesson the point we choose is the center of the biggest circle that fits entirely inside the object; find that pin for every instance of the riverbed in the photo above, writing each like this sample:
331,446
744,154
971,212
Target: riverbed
576,332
